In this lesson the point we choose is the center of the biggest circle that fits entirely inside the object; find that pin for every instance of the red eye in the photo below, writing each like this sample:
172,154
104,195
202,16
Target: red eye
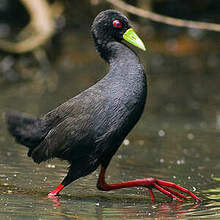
117,24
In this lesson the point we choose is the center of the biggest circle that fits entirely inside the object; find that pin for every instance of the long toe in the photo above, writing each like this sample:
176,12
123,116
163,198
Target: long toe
164,191
167,185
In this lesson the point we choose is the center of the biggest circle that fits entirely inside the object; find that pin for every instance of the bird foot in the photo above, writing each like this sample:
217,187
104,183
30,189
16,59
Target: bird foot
52,194
166,188
54,198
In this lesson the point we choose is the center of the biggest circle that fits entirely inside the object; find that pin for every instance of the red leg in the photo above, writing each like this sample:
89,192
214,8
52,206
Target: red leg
56,191
160,185
66,181
53,196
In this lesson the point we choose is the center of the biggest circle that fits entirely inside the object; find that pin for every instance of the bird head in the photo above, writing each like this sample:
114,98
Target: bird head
111,25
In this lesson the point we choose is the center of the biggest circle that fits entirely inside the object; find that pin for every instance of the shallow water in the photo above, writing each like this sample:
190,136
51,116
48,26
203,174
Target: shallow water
177,139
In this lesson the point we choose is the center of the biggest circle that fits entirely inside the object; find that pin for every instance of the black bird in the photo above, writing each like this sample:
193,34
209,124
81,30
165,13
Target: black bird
88,129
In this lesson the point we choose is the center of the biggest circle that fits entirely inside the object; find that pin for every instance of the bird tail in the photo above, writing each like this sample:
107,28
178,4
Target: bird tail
25,129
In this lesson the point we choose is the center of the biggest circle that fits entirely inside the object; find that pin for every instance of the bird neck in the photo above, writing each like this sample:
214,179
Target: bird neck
117,52
123,60
124,63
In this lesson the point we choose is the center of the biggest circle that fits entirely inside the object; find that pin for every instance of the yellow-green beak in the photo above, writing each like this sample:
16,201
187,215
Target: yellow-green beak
131,37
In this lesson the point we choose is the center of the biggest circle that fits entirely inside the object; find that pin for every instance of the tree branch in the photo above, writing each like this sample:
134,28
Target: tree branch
41,27
165,19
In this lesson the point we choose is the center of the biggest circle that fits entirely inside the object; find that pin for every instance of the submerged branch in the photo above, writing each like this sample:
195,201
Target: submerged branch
165,19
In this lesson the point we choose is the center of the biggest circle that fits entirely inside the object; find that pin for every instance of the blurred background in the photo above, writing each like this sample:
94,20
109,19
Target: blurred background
182,63
47,56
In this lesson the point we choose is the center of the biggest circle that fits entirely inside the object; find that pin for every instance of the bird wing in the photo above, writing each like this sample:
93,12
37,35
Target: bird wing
83,127
63,141
69,128
84,103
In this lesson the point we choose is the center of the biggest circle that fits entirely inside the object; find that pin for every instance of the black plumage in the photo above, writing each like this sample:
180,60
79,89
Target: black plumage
88,129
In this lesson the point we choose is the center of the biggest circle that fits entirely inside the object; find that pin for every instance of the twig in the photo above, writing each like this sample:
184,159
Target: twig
41,24
165,19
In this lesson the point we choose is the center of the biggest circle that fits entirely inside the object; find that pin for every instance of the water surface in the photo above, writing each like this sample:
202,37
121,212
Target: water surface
177,138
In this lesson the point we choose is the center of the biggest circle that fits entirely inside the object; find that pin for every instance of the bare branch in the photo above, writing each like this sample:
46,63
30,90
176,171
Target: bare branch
41,27
165,19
